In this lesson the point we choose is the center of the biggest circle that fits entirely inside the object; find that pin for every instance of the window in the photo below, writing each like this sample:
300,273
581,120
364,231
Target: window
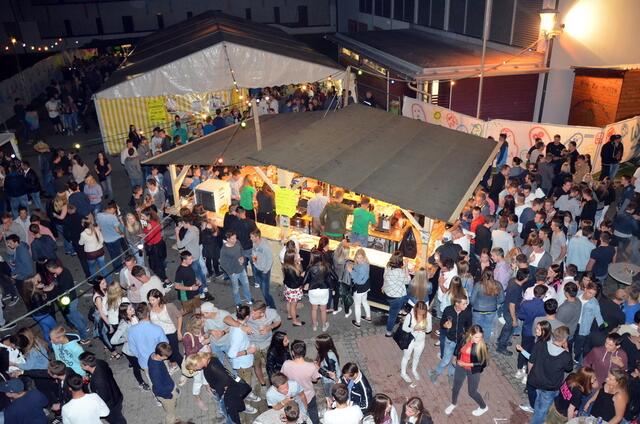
383,8
303,16
373,65
475,18
247,13
403,10
99,27
276,15
160,18
189,14
456,15
501,21
67,28
437,14
527,25
366,6
349,53
424,12
127,24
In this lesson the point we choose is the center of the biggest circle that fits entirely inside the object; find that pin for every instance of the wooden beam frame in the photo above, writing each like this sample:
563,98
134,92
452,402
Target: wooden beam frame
264,177
176,182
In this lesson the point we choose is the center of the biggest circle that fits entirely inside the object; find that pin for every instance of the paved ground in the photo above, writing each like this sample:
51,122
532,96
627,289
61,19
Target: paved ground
378,356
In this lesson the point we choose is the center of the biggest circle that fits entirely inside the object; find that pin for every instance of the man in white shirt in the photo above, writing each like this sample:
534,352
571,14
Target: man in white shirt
579,249
53,109
315,207
156,142
284,391
148,282
461,239
241,350
343,412
501,237
83,408
124,154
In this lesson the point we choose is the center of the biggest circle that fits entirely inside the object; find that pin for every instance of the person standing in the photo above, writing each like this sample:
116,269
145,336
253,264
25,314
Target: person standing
611,155
261,263
187,283
144,336
33,186
333,218
512,299
112,232
83,408
188,239
65,284
396,280
162,385
551,360
415,323
344,412
241,350
360,276
26,407
133,168
315,207
101,382
305,374
248,197
15,187
471,358
362,217
103,170
232,262
263,320
92,242
154,245
316,282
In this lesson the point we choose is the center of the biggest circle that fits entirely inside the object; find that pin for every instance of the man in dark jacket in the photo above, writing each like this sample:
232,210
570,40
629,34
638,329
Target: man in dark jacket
79,200
611,155
551,360
101,381
333,217
15,187
32,184
71,229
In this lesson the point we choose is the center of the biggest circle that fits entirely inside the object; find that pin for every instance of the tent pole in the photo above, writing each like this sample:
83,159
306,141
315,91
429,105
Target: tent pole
345,98
256,119
176,182
388,79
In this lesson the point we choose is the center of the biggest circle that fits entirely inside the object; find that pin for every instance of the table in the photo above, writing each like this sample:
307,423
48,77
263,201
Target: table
623,272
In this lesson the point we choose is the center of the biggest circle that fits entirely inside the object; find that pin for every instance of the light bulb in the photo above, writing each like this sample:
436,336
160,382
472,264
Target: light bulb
65,300
77,145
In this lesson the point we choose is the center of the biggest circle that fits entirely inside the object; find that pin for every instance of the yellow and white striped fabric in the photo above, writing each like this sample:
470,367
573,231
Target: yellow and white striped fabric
115,115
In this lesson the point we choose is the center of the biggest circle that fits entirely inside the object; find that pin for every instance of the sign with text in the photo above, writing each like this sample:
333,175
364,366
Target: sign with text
156,110
286,202
437,115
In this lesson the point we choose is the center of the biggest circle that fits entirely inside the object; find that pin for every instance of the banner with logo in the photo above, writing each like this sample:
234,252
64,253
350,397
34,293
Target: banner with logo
434,114
629,129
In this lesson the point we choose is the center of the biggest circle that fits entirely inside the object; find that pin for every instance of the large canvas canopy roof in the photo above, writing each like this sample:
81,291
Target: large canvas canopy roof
197,55
426,168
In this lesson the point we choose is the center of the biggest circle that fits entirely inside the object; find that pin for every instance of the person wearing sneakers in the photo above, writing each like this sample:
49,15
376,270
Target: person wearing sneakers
232,262
457,320
415,323
471,358
241,350
359,272
263,320
550,361
162,385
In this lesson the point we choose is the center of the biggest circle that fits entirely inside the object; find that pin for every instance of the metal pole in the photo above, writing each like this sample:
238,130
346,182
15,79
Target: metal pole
345,98
256,120
388,90
545,80
450,92
485,37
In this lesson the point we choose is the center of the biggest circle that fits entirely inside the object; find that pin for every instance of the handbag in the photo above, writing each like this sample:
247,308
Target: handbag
402,338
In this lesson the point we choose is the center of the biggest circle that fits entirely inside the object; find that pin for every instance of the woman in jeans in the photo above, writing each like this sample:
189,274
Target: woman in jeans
487,297
127,315
93,190
58,212
93,245
154,245
394,286
359,272
35,295
103,169
329,363
471,356
167,316
102,329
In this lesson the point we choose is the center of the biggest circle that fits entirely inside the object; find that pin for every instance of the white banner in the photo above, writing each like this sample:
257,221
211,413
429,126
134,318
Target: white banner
629,129
521,136
437,115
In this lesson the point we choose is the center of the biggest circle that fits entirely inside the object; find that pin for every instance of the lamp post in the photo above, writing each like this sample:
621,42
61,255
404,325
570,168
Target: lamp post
451,84
485,38
548,30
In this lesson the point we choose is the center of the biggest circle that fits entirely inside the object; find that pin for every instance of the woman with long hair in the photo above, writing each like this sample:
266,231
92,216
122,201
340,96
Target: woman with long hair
154,245
34,349
542,333
103,169
395,281
328,362
127,316
414,412
316,282
93,244
471,357
340,257
133,234
102,329
266,205
79,170
169,318
35,295
58,212
359,272
195,340
466,278
381,411
485,260
575,389
211,239
248,197
487,296
419,287
610,402
292,280
115,297
134,136
416,323
277,353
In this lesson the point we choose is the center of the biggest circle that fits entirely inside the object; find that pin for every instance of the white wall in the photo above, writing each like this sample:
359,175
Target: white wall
596,33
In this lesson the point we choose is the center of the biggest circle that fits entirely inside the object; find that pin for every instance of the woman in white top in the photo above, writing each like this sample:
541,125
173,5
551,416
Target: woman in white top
79,170
167,316
102,329
381,411
92,243
115,296
396,280
416,323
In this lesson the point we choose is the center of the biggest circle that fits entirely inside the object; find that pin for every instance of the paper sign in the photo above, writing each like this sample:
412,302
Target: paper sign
156,110
286,202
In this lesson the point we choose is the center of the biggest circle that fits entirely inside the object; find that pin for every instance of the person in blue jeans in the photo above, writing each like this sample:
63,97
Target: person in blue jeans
513,298
36,295
551,360
261,263
456,319
113,233
487,297
394,286
64,282
232,262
